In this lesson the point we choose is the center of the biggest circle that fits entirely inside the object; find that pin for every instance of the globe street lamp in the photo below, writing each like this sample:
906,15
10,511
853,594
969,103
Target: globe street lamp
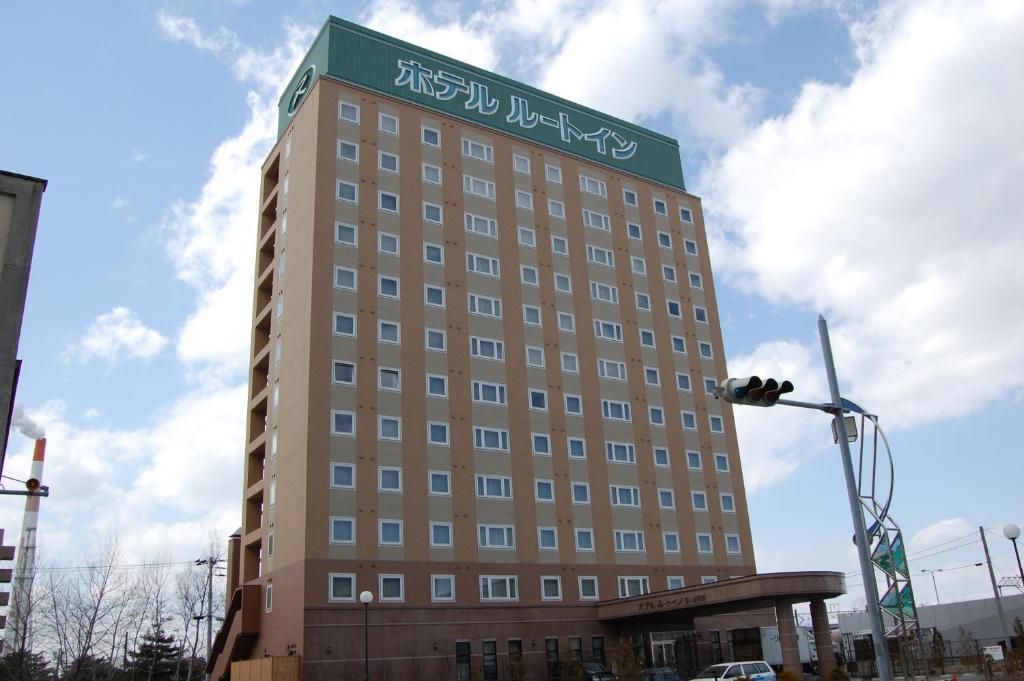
366,598
936,586
1011,532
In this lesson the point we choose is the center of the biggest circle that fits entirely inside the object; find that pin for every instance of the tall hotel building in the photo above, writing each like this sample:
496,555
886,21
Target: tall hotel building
484,346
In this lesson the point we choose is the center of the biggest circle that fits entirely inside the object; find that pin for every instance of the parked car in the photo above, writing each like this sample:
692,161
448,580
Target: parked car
595,671
758,670
660,674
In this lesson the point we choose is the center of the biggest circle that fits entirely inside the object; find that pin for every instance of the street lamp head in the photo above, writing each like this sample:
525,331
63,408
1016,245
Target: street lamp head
1011,532
366,598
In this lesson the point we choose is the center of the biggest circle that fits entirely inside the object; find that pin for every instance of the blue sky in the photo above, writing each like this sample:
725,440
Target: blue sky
854,158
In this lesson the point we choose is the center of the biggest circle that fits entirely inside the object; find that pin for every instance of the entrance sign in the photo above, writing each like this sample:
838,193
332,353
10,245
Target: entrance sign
356,55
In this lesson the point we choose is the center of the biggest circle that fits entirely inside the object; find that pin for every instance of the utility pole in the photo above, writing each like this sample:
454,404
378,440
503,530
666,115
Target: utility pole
210,562
866,568
995,590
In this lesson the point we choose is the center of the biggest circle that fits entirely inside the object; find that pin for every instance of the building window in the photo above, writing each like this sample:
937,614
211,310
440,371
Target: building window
521,164
721,463
629,197
389,479
685,215
689,420
615,411
634,231
343,476
707,579
534,357
541,444
436,385
342,588
690,246
597,643
524,200
496,536
489,393
545,490
695,281
392,588
661,457
436,340
559,246
551,656
675,582
643,302
390,532
478,150
566,322
570,363
704,348
620,452
551,588
573,405
478,187
348,192
669,273
440,483
343,530
679,345
432,213
390,428
671,541
665,240
499,588
344,373
657,415
666,498
732,543
270,597
683,382
556,209
441,535
588,588
604,293
487,348
693,461
710,386
527,237
388,287
529,275
700,314
343,423
612,370
651,375
553,174
597,220
433,296
462,661
629,541
437,433
345,278
348,151
633,586
700,501
584,539
623,495
482,264
433,253
600,256
716,424
704,543
515,659
493,487
431,174
531,315
577,448
345,233
547,538
388,243
389,124
388,162
639,266
728,502
490,438
442,587
388,202
389,379
611,331
563,283
348,111
593,186
490,660
659,207
430,136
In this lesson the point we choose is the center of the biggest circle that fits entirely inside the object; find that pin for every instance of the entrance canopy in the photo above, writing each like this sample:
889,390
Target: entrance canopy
733,595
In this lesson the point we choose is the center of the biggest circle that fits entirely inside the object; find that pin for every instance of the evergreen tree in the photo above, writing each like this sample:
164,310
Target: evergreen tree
156,658
18,666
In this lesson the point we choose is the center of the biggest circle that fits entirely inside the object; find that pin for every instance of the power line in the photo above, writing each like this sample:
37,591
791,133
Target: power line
924,553
115,566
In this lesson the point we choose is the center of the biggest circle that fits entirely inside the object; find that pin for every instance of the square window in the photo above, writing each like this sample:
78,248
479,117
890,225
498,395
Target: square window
559,246
345,234
433,295
348,151
577,448
440,483
657,416
436,340
348,112
674,309
388,243
433,253
389,332
437,433
531,315
431,137
693,461
442,587
643,302
669,273
689,420
675,582
647,341
721,463
705,350
639,266
389,379
541,444
390,427
348,192
728,503
343,476
388,162
708,579
527,237
392,588
570,363
343,530
634,231
551,588
388,202
588,590
524,200
664,239
344,278
389,479
671,540
534,357
716,424
700,314
553,174
629,197
538,400
679,345
390,532
584,539
683,382
700,501
556,209
342,588
573,405
388,287
441,535
666,498
690,246
651,376
563,284
695,281
580,493
660,207
521,164
545,490
437,386
704,544
710,386
732,543
432,213
566,322
431,174
389,124
529,275
343,423
344,324
547,538
685,215
661,457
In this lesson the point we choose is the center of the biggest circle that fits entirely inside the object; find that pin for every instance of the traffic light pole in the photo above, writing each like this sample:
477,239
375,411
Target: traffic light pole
866,568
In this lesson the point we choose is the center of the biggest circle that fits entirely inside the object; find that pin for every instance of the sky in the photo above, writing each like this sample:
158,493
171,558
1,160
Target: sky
855,159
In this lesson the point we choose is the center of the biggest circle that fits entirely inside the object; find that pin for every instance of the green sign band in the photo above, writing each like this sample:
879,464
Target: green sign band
356,55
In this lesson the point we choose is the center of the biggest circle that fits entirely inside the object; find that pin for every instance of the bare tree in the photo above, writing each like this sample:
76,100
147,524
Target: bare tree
190,603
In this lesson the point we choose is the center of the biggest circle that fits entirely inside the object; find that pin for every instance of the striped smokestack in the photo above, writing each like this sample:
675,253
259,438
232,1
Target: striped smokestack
18,637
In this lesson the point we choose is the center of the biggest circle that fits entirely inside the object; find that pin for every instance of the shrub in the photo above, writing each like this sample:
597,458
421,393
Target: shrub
786,675
838,674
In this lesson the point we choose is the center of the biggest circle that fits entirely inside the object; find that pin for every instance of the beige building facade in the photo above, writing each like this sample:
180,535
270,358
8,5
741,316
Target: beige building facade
481,389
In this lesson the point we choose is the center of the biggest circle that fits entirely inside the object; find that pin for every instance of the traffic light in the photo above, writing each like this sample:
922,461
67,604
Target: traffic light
753,391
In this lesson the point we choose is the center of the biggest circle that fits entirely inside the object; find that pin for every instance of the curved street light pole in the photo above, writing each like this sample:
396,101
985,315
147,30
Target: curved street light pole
1011,532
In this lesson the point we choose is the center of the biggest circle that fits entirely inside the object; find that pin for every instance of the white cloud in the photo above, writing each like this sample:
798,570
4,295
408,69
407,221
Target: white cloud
941,533
186,29
120,202
117,332
138,155
892,204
